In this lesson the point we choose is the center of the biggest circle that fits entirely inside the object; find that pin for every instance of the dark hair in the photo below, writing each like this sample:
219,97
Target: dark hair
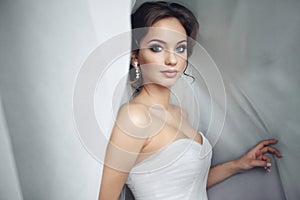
151,12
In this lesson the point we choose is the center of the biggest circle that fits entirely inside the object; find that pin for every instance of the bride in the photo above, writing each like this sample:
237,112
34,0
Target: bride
153,148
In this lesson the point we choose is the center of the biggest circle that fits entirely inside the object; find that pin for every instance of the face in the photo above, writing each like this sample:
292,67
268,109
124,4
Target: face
163,53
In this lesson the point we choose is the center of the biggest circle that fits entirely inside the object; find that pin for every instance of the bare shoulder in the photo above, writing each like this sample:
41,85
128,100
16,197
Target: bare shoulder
127,133
134,121
126,140
134,114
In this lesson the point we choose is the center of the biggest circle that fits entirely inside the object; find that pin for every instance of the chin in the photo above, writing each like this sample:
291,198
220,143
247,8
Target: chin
168,84
163,82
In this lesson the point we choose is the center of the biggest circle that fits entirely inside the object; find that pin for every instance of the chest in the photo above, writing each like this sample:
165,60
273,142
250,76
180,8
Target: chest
170,126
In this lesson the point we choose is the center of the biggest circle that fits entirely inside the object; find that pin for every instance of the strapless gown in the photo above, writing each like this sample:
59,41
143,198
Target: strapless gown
178,171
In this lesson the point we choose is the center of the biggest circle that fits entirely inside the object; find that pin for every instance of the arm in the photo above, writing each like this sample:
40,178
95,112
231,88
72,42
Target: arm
221,172
122,151
253,158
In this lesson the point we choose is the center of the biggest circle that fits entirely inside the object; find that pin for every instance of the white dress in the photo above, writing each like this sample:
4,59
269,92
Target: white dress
178,171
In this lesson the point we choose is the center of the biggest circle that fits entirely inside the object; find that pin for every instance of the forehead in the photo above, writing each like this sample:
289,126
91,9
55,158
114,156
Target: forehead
167,29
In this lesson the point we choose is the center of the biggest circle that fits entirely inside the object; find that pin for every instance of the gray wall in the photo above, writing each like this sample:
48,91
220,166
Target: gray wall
256,47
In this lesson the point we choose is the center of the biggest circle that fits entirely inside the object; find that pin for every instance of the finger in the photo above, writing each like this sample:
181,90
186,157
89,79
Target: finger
266,158
268,167
272,150
258,163
268,161
259,157
264,143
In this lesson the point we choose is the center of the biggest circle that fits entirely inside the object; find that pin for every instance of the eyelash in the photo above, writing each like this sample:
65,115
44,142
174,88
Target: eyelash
183,48
155,49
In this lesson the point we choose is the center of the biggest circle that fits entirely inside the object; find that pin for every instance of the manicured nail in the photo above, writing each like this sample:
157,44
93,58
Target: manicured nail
269,164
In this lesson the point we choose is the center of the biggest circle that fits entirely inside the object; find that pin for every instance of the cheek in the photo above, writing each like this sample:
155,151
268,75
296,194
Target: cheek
182,63
146,71
148,57
149,74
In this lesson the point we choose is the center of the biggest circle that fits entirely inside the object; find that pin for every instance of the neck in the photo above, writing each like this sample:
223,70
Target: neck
152,94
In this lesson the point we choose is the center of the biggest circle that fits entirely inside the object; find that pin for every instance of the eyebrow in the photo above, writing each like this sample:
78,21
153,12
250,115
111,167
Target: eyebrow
161,41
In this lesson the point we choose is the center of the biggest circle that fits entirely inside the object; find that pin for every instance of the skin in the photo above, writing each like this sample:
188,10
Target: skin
149,122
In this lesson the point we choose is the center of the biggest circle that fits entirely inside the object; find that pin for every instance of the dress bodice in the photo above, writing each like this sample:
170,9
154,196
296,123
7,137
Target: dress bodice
177,171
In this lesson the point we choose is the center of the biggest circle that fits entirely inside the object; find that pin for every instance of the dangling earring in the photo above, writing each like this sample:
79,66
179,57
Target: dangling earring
137,70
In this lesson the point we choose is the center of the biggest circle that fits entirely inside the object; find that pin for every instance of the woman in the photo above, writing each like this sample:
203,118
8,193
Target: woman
149,129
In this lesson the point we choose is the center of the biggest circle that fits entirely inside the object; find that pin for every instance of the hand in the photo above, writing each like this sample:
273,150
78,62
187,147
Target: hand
256,156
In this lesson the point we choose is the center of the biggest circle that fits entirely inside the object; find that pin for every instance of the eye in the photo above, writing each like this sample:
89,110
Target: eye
156,48
181,49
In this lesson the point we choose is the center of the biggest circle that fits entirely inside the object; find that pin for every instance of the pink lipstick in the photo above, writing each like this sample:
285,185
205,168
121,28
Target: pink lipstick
169,73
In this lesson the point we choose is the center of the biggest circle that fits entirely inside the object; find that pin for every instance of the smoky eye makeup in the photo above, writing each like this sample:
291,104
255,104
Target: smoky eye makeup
156,48
181,49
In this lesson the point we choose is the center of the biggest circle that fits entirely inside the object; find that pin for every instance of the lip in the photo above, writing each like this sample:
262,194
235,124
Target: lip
169,73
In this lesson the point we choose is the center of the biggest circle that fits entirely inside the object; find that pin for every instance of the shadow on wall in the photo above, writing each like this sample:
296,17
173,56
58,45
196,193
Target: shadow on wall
8,170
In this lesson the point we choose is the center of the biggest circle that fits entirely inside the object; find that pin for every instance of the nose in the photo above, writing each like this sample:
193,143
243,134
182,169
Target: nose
171,58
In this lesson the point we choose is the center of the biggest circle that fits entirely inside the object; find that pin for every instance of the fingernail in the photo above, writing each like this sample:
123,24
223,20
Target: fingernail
269,164
268,170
